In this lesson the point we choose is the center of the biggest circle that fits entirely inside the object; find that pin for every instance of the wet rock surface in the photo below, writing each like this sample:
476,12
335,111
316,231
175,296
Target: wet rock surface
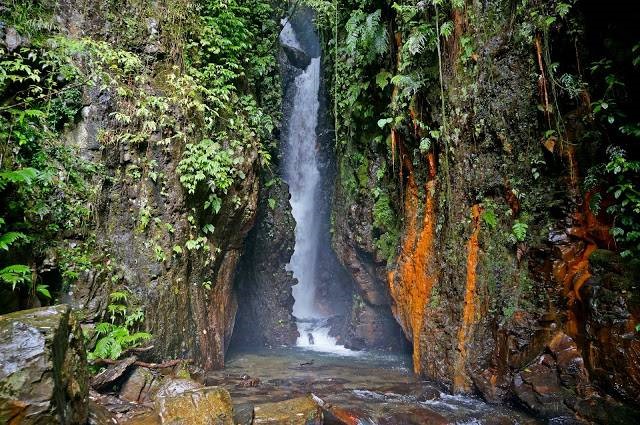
371,388
202,406
369,323
176,386
297,411
140,386
43,368
263,283
296,57
611,310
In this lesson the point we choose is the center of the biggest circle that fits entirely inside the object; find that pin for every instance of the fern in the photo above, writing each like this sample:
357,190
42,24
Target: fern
10,238
409,84
519,231
423,38
21,176
120,334
15,274
119,296
367,37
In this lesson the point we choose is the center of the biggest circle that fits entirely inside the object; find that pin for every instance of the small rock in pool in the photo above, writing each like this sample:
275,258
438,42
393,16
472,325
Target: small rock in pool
427,394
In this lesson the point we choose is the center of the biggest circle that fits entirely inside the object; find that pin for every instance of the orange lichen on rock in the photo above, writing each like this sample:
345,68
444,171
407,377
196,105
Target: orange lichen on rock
410,285
460,382
571,266
394,143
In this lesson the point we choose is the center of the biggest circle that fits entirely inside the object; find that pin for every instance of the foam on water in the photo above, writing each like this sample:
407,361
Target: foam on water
314,335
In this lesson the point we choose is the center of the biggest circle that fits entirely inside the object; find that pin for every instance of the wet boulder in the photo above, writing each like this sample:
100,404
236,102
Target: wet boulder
297,411
12,40
297,57
201,406
172,387
208,405
43,368
140,385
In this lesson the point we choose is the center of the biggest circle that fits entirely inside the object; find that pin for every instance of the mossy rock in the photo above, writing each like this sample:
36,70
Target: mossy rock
43,368
297,411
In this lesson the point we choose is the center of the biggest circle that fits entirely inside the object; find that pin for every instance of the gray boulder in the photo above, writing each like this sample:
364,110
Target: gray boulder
43,368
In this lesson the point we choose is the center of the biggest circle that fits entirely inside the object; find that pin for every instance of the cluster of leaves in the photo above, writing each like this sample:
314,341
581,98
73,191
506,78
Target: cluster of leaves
375,83
608,89
121,332
620,175
42,181
223,60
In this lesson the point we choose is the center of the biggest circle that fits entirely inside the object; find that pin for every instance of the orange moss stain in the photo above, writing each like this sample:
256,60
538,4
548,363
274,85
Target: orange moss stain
571,269
468,313
411,284
593,233
394,143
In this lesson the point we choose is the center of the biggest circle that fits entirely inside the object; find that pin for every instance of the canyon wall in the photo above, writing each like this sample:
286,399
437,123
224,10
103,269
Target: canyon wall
458,208
166,135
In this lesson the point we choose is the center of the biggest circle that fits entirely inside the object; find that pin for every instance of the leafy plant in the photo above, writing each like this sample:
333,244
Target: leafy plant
15,274
490,218
121,332
519,231
626,207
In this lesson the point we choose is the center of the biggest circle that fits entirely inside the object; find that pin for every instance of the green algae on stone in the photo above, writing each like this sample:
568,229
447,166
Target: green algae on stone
297,411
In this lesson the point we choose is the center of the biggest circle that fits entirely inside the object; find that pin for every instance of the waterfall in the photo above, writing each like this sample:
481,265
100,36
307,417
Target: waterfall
303,177
302,173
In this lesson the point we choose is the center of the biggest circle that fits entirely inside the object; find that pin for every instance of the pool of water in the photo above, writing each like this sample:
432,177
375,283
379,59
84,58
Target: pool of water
373,388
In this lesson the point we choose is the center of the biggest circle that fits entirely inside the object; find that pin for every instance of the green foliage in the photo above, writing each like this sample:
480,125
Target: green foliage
22,176
385,220
613,180
490,218
42,180
367,36
622,174
121,332
15,274
221,56
207,163
519,231
197,244
10,238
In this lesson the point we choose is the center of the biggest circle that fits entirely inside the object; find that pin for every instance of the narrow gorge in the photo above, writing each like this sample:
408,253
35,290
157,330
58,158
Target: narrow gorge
319,212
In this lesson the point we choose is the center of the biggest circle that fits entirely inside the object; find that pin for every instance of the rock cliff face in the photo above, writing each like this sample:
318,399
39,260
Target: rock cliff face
263,283
149,235
478,304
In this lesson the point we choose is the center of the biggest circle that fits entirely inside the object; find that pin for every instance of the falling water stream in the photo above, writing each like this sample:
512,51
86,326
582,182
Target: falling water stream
302,173
371,387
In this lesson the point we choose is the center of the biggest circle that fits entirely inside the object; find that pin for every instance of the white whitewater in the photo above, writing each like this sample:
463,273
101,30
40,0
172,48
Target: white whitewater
303,176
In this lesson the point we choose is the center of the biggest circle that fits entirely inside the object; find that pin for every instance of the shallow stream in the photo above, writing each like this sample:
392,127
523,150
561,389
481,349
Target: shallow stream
372,388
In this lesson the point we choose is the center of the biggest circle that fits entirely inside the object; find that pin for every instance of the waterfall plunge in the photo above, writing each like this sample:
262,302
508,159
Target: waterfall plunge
304,179
303,176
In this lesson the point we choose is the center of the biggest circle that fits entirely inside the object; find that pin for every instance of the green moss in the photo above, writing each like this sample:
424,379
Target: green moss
383,214
363,173
388,243
347,179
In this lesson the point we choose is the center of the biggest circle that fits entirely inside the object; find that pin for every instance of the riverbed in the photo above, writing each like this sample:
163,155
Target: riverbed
370,387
